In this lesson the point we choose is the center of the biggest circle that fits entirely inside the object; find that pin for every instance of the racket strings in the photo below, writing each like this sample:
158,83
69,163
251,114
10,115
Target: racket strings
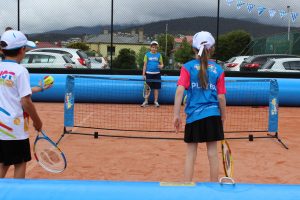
49,156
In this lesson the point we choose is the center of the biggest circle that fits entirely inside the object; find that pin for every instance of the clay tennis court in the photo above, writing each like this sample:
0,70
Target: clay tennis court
106,158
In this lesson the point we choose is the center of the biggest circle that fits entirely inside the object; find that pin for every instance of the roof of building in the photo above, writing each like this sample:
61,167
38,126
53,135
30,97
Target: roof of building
180,39
45,45
118,39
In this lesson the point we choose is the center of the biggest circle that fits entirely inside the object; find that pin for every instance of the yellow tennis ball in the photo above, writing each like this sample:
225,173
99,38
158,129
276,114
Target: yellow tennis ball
48,80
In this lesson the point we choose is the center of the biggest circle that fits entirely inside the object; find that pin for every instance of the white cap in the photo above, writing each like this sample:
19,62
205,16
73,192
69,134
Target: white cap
154,42
13,39
203,40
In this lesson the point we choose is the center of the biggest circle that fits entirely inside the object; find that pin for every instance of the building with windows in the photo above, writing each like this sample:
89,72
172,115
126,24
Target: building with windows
102,43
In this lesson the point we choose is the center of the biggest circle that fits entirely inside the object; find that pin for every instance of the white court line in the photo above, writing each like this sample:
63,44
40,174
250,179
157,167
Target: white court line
33,163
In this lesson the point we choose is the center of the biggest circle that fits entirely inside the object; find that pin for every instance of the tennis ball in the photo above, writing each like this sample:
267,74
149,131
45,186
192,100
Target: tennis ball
48,80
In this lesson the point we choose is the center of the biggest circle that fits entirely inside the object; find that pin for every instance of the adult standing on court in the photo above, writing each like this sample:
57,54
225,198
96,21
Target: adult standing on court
153,63
205,105
15,99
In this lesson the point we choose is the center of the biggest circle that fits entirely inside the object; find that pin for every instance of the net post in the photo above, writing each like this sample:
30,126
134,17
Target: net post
69,102
96,135
251,138
273,106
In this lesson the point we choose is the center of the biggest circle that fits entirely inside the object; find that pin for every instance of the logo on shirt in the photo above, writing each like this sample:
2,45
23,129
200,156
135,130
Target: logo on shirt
153,59
198,86
212,68
7,78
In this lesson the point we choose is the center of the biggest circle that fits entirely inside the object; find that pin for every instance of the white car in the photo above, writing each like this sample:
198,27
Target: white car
281,65
98,63
78,56
233,64
47,60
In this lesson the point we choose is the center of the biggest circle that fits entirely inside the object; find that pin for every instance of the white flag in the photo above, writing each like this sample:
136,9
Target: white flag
272,12
229,2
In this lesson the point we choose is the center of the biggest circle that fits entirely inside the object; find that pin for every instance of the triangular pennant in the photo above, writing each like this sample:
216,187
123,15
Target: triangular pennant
239,4
272,12
229,2
260,10
294,16
282,13
250,7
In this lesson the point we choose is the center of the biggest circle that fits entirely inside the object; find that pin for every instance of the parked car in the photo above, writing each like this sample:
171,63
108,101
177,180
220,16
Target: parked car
80,58
98,63
281,65
253,63
47,60
233,64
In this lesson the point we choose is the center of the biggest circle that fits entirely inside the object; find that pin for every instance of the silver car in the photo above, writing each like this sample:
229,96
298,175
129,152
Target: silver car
281,65
47,60
79,57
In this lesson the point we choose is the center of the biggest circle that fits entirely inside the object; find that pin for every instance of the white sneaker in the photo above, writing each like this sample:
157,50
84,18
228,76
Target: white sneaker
156,104
145,103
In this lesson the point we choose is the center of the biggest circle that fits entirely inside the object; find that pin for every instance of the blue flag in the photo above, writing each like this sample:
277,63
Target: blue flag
294,16
250,7
260,10
282,13
239,4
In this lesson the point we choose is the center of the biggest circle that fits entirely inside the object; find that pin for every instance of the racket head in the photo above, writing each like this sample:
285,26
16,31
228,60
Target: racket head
48,155
227,159
146,90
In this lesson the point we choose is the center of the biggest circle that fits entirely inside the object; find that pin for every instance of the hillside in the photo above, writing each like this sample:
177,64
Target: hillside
185,26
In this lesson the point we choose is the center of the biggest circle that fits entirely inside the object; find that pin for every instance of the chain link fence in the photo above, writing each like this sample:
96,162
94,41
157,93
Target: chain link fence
109,29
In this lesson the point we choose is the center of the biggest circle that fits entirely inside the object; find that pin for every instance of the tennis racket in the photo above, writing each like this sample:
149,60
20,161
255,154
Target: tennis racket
47,154
227,159
146,90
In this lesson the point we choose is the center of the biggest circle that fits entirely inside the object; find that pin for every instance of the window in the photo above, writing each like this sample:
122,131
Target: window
113,50
43,59
295,65
26,59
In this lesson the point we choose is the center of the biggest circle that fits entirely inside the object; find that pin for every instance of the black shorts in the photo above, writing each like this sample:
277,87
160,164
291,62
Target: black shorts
208,129
153,84
14,151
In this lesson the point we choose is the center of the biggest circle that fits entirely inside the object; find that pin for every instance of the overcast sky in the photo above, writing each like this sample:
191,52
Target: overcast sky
45,15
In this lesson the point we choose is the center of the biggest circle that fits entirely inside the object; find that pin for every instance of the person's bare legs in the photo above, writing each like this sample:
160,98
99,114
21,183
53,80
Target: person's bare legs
20,170
156,91
212,154
3,170
191,154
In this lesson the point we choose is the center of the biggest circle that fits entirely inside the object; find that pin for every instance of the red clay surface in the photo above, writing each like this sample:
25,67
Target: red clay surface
260,161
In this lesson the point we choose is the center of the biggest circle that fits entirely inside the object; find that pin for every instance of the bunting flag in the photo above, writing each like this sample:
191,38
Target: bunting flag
272,12
229,2
294,16
250,7
282,13
239,4
261,10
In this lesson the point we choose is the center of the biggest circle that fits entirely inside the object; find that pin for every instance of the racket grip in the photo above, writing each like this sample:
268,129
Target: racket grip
226,181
